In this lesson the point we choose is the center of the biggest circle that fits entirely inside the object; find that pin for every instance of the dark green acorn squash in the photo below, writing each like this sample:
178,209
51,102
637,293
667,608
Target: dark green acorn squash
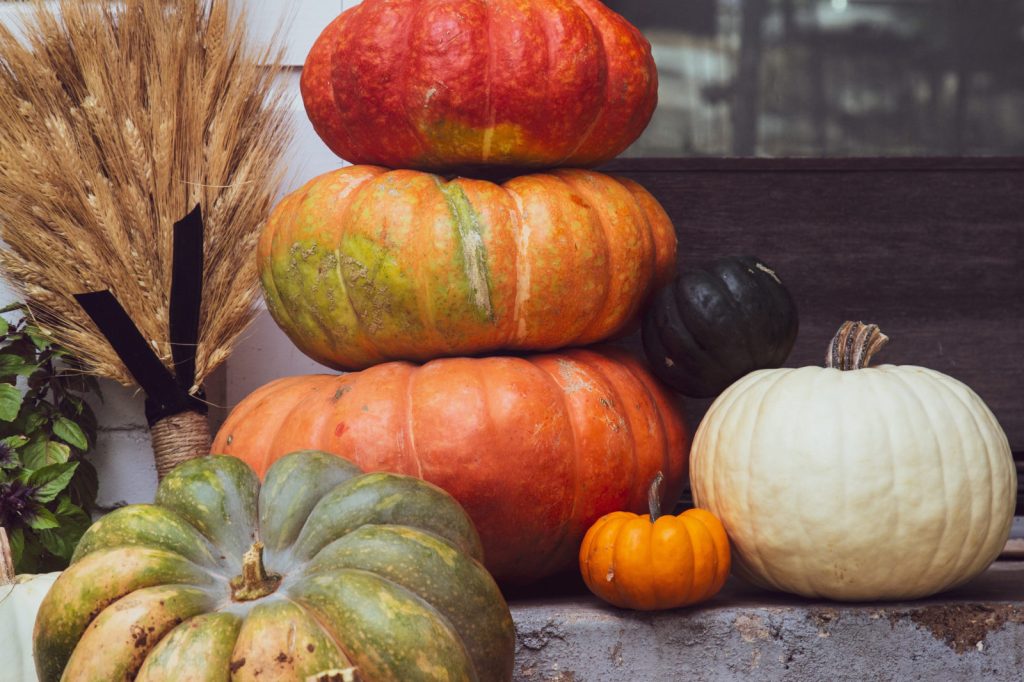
711,326
323,572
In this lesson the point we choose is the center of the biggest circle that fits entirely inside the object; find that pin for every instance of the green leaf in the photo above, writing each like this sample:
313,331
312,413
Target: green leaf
56,542
14,441
84,485
72,516
41,453
4,326
40,340
52,480
62,541
69,432
72,405
11,307
10,402
87,420
15,364
42,519
16,538
33,420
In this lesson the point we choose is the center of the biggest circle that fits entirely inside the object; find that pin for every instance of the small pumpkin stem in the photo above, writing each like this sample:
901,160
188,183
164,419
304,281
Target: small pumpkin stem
854,345
255,582
7,576
654,496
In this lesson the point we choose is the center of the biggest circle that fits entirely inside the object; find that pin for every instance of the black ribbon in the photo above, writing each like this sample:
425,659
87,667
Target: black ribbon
167,394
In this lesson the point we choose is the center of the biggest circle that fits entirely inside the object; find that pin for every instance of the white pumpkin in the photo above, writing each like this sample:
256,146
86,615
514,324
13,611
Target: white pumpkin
20,597
19,603
856,483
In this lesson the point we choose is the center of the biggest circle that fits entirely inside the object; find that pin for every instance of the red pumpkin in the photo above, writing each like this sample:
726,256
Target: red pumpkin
536,449
459,83
363,265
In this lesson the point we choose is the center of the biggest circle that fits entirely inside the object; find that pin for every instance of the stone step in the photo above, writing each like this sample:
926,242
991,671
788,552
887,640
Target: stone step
974,633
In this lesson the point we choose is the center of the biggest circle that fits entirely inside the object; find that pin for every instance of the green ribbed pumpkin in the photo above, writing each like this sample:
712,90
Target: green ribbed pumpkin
323,569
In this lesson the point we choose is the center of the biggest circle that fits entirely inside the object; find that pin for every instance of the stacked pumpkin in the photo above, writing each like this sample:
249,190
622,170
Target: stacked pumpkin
372,269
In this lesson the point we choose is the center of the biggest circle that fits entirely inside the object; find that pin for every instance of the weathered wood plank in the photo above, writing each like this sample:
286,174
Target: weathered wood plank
930,249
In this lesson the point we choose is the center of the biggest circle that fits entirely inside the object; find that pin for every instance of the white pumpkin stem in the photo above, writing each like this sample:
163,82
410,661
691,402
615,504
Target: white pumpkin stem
654,497
7,576
854,345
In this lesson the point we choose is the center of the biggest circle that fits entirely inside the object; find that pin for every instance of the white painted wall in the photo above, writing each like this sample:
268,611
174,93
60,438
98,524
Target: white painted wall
265,353
123,455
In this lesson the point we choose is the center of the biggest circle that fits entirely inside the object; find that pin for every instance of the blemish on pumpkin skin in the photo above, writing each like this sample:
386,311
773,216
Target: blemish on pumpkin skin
340,429
341,392
573,380
236,665
139,636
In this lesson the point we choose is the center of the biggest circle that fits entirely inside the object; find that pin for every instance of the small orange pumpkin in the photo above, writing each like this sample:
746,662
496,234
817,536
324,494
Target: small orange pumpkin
635,561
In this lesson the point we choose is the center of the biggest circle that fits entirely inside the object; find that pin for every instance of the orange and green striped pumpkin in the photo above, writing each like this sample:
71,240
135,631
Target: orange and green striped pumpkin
321,569
364,265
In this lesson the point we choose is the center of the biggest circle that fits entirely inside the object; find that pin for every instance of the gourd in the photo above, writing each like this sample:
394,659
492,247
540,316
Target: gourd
649,562
497,83
712,325
363,265
535,448
321,572
853,482
20,597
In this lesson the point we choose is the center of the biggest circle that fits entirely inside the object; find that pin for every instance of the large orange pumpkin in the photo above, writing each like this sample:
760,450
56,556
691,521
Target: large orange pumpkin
536,449
365,265
444,84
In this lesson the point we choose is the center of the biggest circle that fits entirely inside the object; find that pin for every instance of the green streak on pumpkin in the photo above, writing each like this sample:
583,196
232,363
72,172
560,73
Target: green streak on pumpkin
469,236
381,292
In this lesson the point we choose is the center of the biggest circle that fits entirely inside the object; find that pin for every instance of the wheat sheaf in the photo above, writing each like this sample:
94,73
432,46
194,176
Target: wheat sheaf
119,118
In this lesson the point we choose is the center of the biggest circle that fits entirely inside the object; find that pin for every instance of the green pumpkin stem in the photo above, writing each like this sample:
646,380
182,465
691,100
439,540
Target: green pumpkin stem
7,576
654,497
255,582
854,345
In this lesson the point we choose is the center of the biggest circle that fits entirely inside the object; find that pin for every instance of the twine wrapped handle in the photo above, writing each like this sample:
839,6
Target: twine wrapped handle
179,438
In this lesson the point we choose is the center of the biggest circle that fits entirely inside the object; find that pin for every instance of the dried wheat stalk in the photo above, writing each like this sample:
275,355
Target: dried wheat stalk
118,119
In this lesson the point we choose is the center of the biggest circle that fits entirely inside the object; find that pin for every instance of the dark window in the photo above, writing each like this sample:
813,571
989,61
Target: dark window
834,77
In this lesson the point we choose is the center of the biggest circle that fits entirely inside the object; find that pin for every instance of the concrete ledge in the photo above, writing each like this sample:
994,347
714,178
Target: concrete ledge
974,633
